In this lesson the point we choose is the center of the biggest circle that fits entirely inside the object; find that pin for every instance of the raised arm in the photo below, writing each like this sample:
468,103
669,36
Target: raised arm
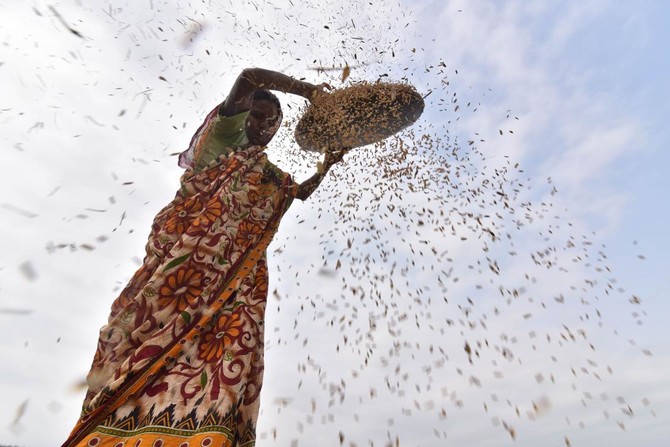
251,79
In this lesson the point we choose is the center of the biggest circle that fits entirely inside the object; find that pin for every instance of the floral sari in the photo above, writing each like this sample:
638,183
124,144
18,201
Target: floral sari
180,362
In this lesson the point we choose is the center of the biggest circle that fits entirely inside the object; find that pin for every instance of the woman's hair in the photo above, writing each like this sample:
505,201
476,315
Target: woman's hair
267,95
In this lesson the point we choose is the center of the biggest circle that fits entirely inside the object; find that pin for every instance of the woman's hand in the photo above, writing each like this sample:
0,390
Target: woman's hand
319,90
334,156
306,188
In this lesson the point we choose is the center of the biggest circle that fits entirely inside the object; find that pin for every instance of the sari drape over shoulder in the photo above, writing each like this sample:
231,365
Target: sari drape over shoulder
180,361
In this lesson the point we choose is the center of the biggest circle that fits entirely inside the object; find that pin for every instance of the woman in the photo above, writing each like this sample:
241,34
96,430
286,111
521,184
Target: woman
180,362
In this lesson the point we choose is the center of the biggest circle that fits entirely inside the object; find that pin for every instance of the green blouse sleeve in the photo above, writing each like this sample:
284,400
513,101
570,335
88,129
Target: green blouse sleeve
227,133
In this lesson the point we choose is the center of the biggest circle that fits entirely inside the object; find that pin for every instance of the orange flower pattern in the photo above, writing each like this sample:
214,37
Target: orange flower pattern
190,321
179,220
183,288
226,330
247,232
213,210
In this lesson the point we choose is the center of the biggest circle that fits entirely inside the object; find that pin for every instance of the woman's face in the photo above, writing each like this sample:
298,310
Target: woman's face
262,123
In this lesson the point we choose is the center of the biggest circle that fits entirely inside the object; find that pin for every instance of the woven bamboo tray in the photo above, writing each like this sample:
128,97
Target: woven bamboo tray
362,114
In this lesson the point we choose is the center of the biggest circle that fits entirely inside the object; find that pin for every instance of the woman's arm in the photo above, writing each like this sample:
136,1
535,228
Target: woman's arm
251,79
306,188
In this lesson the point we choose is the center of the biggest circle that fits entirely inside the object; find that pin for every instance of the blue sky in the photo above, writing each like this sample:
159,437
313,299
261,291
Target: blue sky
588,82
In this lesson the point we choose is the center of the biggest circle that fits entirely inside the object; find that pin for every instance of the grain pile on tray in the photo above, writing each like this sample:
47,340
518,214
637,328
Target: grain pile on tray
361,114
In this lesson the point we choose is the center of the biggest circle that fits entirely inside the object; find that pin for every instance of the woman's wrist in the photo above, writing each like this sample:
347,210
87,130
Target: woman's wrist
309,91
